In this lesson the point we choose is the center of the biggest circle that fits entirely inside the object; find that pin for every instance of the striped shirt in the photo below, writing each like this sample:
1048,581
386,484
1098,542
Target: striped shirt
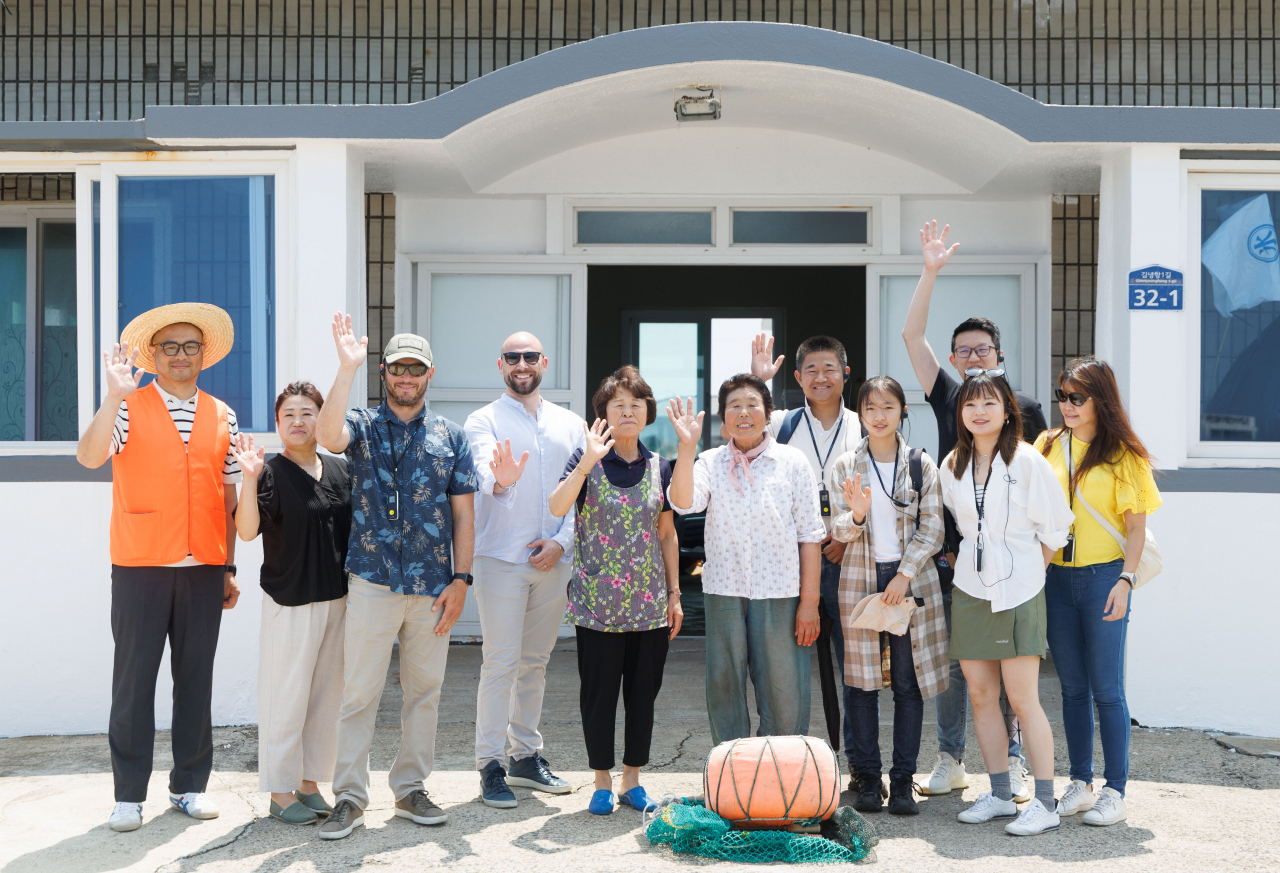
183,413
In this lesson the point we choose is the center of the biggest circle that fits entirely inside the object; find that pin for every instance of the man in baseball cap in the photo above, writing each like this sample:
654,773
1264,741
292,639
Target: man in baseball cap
412,487
172,543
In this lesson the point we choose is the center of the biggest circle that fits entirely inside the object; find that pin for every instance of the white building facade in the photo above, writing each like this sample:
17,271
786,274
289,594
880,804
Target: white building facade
562,195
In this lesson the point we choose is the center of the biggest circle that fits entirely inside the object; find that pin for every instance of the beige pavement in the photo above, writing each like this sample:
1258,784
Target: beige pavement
1194,805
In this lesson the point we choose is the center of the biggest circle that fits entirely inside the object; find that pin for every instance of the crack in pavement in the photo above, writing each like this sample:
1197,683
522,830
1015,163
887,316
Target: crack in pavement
175,864
679,753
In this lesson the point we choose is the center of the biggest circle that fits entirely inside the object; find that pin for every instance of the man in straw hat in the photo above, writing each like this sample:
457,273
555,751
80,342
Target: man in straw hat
172,543
412,487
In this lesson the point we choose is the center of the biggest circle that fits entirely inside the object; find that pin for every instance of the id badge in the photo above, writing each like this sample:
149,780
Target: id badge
393,510
1069,550
824,501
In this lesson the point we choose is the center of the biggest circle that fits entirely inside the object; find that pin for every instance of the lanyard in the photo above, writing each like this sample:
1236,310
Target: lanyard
394,511
822,462
1071,474
981,506
894,480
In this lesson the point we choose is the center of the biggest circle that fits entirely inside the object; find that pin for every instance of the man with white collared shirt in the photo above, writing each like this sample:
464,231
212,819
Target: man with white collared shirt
522,567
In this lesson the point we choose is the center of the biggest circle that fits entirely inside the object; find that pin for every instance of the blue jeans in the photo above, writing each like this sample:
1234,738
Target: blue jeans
1089,656
908,707
952,704
759,637
830,607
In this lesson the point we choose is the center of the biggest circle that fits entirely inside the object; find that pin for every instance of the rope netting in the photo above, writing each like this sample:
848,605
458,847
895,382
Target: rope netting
693,829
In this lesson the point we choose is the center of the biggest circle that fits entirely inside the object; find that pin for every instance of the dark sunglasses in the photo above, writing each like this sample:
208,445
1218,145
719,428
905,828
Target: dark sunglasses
417,369
513,358
1076,398
192,347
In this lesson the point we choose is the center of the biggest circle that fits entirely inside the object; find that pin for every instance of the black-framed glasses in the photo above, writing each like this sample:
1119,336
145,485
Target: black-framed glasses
191,347
513,358
417,369
978,371
1076,398
966,352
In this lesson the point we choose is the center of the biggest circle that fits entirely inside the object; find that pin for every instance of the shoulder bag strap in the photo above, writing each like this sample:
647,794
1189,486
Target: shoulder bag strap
790,422
1110,528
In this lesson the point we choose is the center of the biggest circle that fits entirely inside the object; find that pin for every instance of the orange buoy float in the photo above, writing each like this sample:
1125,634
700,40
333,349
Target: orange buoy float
762,782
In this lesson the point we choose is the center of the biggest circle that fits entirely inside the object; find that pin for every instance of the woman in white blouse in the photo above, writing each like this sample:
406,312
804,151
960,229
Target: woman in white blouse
1013,516
760,591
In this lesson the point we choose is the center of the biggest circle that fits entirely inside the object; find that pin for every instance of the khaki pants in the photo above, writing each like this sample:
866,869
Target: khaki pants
299,692
521,609
376,616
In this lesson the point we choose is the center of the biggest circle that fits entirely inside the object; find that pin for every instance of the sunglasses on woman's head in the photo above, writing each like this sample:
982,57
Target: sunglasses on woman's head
416,369
513,358
978,371
1076,398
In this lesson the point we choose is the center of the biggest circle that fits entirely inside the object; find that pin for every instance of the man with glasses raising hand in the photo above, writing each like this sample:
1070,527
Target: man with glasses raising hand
523,560
173,484
975,348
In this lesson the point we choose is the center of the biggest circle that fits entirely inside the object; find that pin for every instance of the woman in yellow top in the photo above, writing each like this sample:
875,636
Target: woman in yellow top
1089,581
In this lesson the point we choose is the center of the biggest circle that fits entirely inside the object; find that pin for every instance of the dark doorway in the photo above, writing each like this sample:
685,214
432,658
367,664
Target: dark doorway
791,302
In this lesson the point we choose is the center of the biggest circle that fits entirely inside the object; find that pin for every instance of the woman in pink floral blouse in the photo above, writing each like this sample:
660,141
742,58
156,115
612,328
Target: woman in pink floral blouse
624,592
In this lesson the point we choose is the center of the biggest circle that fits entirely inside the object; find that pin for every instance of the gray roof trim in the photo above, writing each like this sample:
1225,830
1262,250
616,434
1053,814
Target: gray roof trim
702,41
1220,480
50,468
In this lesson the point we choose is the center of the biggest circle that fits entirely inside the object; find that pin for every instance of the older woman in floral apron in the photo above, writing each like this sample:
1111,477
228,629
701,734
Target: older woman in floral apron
624,592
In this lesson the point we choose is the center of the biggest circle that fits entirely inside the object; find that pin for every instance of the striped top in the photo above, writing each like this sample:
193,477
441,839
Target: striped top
183,413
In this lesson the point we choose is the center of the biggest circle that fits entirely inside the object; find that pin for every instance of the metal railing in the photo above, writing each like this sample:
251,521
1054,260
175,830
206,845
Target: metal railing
99,59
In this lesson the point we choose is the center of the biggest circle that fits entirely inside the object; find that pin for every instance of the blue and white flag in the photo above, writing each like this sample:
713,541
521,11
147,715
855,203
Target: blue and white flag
1244,258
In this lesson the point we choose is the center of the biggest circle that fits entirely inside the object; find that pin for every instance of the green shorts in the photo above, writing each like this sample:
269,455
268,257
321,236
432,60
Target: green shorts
978,634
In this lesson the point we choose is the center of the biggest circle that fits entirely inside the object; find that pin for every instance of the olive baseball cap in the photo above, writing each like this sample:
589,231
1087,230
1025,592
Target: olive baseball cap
407,345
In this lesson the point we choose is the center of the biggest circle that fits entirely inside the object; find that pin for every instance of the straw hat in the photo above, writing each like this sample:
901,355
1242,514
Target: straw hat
213,321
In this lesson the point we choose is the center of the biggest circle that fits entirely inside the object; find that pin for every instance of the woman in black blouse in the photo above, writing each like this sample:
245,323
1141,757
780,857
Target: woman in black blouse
300,501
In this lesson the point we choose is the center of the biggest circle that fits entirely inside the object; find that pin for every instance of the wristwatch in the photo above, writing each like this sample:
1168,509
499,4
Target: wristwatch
230,568
1131,578
465,577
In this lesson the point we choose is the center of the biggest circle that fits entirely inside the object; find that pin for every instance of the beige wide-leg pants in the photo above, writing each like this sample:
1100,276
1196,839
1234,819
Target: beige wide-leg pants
376,616
299,692
521,609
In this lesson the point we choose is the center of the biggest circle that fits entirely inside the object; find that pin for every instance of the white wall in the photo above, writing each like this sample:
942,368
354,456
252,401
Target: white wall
982,227
1202,634
466,227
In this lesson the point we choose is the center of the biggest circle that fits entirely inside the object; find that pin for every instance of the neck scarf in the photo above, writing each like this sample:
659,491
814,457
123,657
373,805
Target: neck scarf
739,458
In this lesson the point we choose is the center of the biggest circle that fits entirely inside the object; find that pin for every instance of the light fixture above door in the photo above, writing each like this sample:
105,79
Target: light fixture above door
697,103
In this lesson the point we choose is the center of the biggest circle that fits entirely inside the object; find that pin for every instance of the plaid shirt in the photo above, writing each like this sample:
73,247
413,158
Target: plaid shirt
866,657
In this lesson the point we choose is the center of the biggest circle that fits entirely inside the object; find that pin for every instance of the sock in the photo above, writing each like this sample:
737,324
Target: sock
1044,793
1000,786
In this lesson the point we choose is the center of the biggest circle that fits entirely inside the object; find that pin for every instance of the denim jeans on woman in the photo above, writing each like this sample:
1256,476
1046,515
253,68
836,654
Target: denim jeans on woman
830,606
908,706
1089,656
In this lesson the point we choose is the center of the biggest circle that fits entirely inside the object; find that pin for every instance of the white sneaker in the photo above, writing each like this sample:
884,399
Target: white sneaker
1108,809
948,774
196,804
1078,797
1023,788
1034,819
126,817
987,808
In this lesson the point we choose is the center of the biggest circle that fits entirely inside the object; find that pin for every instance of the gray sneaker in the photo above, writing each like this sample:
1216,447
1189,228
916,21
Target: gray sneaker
533,772
344,819
418,807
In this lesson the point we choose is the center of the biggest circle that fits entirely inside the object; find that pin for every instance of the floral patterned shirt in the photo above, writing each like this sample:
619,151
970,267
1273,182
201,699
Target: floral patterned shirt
410,554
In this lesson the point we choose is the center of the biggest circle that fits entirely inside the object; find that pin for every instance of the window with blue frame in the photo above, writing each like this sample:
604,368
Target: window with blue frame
207,239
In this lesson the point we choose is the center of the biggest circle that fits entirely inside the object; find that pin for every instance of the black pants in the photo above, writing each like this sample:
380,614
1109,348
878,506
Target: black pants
632,660
148,606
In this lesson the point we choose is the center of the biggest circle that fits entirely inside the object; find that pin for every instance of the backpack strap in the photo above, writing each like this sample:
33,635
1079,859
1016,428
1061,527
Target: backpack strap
915,468
790,422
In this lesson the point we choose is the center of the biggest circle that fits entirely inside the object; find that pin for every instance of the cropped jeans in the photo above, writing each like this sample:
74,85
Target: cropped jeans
1089,656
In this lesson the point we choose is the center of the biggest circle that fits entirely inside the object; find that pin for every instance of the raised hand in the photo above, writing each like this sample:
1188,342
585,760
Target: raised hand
858,498
597,443
122,380
762,364
505,468
934,246
688,426
352,351
251,460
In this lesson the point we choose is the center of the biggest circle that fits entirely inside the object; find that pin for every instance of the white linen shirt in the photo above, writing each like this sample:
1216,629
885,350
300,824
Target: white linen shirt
830,443
1024,507
751,537
507,523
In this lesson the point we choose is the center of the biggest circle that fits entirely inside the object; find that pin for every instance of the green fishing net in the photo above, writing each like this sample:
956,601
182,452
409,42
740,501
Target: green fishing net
693,829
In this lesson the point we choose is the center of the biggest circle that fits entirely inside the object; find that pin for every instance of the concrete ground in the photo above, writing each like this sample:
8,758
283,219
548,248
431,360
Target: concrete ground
1194,805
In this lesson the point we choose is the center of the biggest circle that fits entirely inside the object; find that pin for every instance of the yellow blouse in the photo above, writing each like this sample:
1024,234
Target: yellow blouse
1111,489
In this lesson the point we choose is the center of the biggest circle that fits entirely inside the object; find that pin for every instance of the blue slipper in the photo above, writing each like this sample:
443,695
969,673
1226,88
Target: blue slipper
602,802
638,798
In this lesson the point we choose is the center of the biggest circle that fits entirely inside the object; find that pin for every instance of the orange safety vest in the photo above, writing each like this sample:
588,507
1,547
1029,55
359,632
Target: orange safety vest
167,499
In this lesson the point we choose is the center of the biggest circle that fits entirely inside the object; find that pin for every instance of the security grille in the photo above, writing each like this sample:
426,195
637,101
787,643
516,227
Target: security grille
1075,282
380,266
99,59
